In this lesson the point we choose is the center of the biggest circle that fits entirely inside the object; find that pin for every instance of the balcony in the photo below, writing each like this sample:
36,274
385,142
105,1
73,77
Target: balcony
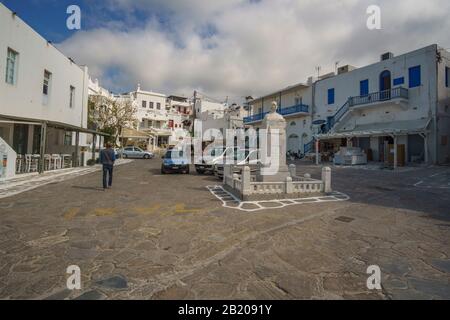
397,96
300,109
294,110
255,118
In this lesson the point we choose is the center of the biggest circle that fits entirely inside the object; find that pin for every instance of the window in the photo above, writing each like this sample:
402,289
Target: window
293,123
11,66
364,88
399,81
447,77
46,86
158,106
68,138
151,105
330,96
72,97
144,104
414,77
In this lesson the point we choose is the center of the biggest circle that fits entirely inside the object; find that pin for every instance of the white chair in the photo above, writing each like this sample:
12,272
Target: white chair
19,163
31,162
56,159
66,160
48,162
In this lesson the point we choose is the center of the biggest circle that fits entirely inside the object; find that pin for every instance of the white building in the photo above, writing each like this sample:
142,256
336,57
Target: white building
218,116
397,109
294,103
94,89
44,94
164,118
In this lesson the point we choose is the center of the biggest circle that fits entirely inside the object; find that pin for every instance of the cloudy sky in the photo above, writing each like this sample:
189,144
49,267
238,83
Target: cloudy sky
231,48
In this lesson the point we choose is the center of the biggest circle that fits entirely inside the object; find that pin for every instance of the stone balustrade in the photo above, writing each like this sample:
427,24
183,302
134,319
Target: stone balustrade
245,185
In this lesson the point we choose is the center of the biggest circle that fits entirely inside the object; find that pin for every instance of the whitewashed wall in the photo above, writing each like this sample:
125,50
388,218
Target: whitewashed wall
25,97
348,85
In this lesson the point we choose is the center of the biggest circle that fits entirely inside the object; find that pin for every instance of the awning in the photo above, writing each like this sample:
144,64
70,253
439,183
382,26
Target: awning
53,124
380,129
134,134
160,132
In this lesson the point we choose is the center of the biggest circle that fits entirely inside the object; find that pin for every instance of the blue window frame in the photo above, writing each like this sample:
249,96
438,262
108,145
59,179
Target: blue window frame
330,96
399,81
447,76
364,87
414,77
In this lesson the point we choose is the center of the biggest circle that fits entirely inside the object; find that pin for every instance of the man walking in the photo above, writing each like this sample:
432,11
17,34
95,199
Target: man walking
107,158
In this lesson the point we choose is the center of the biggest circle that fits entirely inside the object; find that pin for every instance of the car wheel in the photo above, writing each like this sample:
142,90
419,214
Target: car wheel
163,171
200,171
125,156
146,156
186,171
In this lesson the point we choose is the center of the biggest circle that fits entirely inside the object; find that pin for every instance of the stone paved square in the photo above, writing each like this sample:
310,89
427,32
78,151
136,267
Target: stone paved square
169,237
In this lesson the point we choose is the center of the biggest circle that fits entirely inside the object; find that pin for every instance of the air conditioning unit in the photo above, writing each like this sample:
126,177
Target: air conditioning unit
387,56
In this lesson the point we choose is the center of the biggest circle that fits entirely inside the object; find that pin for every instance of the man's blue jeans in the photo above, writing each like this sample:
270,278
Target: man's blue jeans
107,171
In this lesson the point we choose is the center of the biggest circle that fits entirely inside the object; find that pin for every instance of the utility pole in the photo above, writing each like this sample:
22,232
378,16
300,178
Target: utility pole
195,104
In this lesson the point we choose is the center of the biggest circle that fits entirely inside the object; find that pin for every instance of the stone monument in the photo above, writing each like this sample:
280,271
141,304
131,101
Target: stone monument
275,128
273,178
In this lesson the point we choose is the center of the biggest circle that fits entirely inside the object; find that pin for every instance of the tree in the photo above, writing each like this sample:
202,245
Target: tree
111,115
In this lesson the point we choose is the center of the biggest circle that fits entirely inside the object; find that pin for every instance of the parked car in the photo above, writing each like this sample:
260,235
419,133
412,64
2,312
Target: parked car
135,152
250,158
217,155
175,161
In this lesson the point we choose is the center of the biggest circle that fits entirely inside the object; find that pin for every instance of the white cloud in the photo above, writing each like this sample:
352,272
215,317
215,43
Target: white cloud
256,46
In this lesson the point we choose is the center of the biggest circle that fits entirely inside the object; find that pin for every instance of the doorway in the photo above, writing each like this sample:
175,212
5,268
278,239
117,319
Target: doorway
385,85
293,143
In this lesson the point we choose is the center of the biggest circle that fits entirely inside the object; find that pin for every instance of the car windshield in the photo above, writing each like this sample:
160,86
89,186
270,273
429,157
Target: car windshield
174,154
217,152
239,155
138,149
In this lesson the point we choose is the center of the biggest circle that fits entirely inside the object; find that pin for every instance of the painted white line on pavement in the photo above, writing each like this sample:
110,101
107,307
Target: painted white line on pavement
232,202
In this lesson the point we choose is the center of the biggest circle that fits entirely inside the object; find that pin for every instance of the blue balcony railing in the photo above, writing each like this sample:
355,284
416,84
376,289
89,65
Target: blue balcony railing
294,109
255,117
300,108
379,96
362,100
308,147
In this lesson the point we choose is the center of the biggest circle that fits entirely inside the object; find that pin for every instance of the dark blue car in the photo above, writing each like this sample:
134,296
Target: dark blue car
175,161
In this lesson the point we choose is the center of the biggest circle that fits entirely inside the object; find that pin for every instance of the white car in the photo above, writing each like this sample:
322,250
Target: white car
217,156
252,159
137,153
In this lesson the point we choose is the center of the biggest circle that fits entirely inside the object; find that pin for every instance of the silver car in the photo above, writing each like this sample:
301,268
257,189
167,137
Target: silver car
135,152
